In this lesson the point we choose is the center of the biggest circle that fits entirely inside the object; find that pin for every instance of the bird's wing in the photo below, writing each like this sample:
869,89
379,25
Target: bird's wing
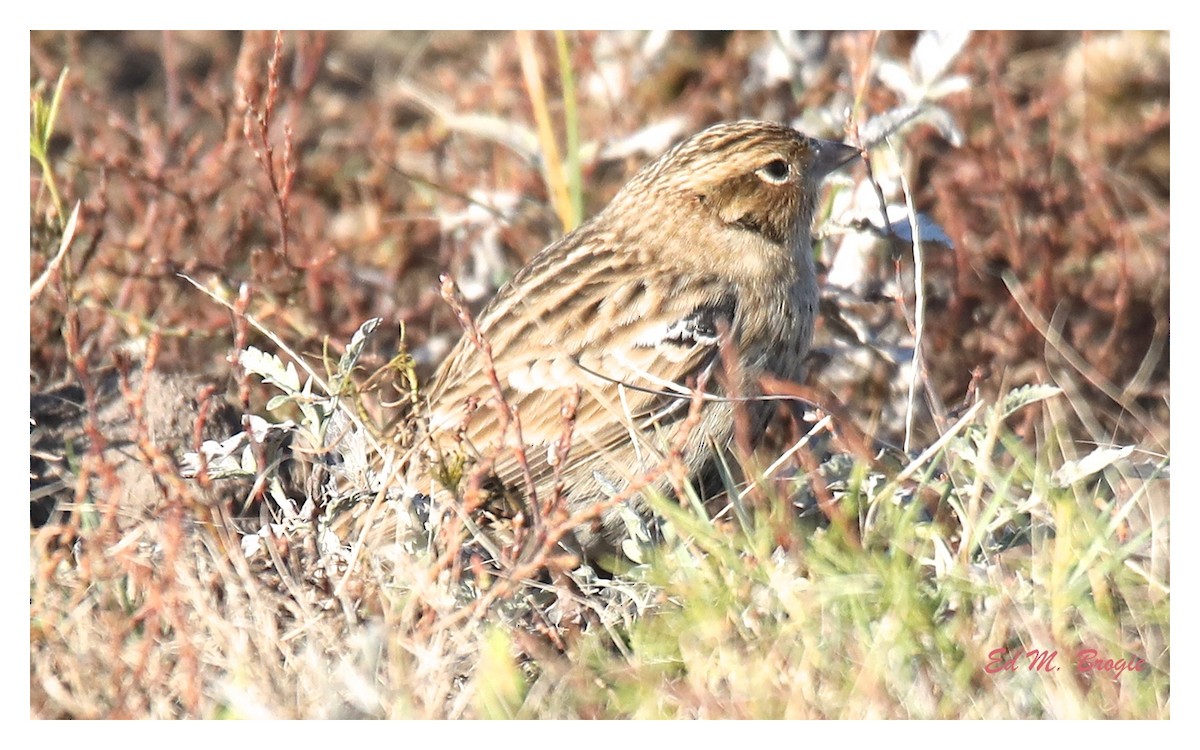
630,345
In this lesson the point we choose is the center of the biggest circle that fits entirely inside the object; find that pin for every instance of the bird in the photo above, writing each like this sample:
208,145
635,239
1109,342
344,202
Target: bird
625,315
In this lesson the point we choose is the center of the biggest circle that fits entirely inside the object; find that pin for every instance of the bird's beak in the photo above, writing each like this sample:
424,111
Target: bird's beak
831,155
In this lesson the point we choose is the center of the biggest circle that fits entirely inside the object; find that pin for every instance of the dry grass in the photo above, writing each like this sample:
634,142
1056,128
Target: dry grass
316,181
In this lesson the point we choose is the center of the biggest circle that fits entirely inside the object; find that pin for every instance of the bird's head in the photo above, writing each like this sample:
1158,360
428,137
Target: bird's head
762,177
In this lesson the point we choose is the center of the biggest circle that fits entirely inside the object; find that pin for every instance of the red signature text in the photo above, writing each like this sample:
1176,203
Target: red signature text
1043,660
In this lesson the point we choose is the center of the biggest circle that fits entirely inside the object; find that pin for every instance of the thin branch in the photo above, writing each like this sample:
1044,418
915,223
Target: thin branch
1056,341
551,161
52,270
918,313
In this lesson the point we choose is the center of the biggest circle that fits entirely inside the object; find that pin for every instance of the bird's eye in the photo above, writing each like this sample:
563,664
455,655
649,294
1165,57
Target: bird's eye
775,172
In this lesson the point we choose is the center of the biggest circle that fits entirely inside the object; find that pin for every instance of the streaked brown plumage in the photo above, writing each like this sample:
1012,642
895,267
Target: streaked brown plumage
627,307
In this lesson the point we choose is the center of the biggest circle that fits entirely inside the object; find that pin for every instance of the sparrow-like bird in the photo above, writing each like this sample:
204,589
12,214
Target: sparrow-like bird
628,310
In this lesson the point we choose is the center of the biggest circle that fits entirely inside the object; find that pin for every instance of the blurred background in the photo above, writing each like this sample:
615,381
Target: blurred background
1011,227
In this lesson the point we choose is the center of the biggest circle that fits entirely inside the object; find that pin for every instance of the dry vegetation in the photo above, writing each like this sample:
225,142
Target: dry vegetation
1013,494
